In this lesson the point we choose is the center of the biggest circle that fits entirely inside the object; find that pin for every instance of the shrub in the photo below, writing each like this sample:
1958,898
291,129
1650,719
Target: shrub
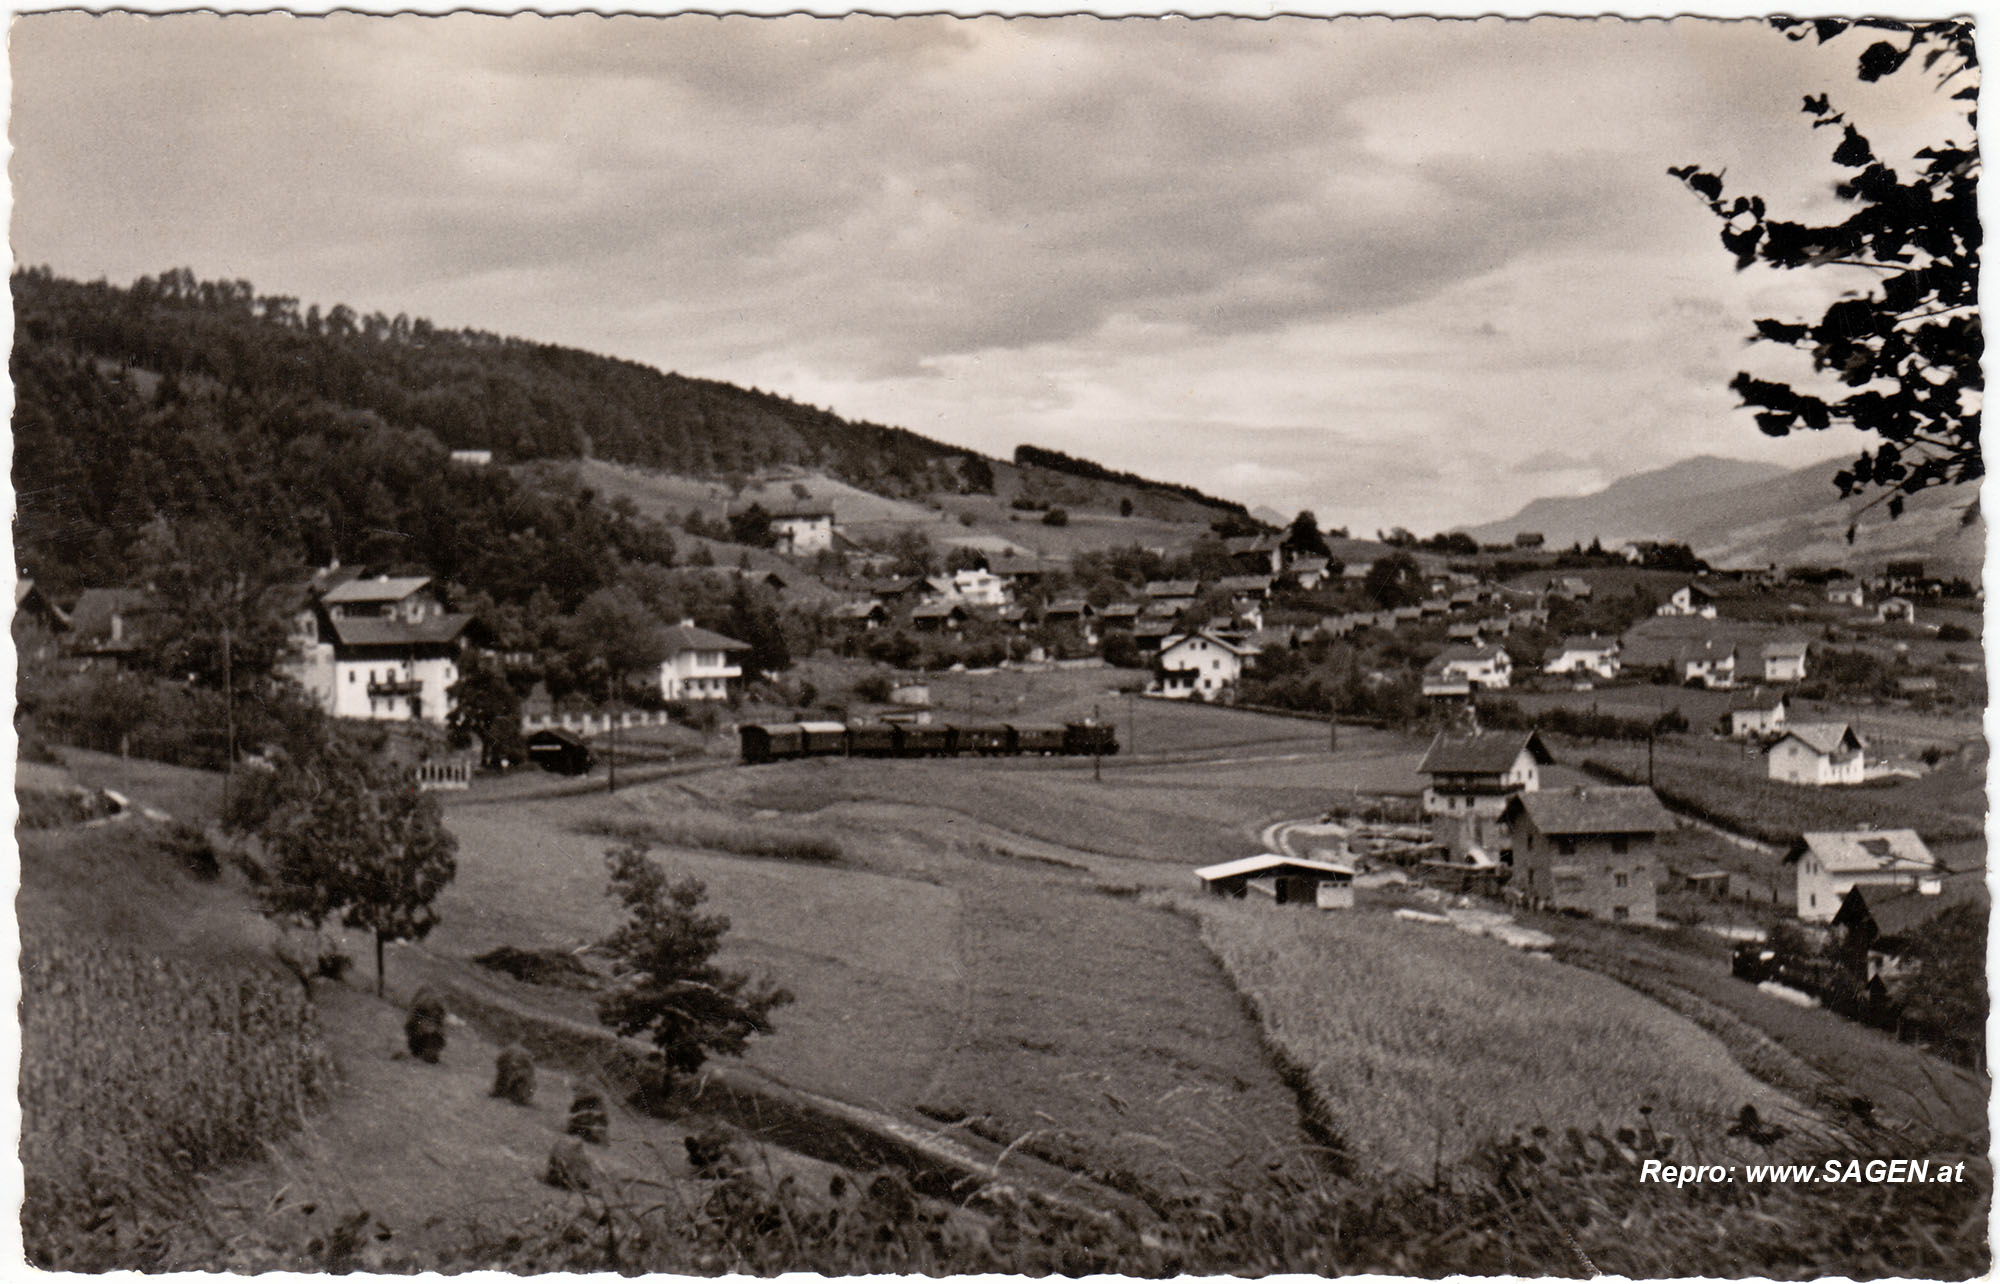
1056,517
875,688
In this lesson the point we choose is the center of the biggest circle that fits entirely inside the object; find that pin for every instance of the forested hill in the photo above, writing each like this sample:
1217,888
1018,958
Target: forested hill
467,388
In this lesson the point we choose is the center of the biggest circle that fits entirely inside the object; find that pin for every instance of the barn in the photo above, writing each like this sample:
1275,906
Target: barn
1289,880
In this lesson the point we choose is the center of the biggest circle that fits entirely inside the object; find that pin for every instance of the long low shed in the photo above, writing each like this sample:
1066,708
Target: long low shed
1289,880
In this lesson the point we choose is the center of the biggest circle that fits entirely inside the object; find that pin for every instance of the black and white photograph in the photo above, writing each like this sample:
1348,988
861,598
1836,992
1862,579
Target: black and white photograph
716,644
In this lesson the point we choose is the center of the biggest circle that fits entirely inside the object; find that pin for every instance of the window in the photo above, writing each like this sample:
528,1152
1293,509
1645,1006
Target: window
1567,846
352,674
1620,913
1619,880
1619,843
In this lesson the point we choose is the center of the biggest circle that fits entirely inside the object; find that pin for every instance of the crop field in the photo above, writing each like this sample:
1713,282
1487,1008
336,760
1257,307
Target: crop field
1425,1042
136,1075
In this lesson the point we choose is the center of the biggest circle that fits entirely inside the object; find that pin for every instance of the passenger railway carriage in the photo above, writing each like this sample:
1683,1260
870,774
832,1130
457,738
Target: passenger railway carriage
783,741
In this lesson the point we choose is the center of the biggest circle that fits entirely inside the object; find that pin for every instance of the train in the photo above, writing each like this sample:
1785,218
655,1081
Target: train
784,741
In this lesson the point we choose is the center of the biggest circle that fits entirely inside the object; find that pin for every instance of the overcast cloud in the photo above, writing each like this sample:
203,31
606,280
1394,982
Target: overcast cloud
1401,272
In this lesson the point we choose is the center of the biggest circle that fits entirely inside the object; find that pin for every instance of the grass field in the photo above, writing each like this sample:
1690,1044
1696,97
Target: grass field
1426,1042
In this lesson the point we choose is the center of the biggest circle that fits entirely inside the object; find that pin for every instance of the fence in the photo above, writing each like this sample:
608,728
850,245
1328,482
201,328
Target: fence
590,724
451,774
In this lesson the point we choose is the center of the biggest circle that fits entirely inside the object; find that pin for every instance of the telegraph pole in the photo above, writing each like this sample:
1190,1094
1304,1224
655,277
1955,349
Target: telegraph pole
1096,748
1132,721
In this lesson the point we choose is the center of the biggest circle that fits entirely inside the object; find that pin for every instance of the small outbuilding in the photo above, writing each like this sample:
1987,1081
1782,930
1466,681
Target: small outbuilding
560,751
1289,880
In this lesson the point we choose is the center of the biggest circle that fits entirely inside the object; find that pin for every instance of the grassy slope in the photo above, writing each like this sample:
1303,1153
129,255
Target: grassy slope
1426,1041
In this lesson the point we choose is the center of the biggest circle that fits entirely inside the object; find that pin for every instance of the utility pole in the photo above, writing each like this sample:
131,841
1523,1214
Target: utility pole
1132,721
1332,732
1096,748
228,716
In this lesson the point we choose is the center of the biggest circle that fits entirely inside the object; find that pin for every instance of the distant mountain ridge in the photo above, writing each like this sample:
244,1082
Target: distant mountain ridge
1736,512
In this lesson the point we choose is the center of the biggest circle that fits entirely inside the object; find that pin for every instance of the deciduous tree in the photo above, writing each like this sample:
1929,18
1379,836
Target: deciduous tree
1901,357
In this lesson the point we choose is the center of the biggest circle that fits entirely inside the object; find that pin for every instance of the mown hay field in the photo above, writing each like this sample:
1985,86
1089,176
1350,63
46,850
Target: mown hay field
137,1074
1425,1042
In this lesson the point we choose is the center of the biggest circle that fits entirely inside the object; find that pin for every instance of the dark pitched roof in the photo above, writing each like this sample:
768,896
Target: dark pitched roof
692,637
1487,753
90,619
381,589
381,631
1868,851
1828,738
1595,809
1762,700
1172,588
933,611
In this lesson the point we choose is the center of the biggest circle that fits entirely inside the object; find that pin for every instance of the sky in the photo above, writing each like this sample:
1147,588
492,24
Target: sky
1401,272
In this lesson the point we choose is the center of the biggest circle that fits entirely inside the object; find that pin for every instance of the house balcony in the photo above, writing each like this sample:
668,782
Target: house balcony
395,687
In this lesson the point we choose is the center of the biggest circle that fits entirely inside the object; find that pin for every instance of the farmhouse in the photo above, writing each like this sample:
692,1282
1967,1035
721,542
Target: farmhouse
1784,662
1178,594
1488,667
1588,849
1817,753
1288,880
938,617
1201,663
1119,615
1257,554
1689,599
1472,777
698,664
110,624
1308,572
1880,926
1570,587
379,648
863,616
803,532
1591,655
1756,715
977,587
1245,588
1829,865
1848,593
1466,631
1710,662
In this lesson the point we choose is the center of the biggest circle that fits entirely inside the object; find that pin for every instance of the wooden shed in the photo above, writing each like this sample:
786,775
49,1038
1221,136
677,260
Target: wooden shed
560,751
1288,880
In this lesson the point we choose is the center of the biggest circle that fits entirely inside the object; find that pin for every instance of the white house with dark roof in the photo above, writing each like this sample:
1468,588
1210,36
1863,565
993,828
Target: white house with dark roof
1689,599
804,532
1817,753
1202,663
1471,777
1784,661
1589,849
1593,655
1828,865
378,648
1487,667
1757,715
700,664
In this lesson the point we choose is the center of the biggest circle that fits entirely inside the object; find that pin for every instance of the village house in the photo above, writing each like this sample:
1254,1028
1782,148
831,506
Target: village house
1073,613
381,648
1757,715
700,665
1150,635
1439,685
1570,587
1471,777
110,625
1879,928
38,623
1710,662
1257,554
1593,655
1122,616
976,586
1847,593
1817,753
1245,588
938,617
1589,849
1689,599
1175,594
861,617
803,532
1829,865
1203,663
1308,572
1487,667
1784,662
1528,539
1466,631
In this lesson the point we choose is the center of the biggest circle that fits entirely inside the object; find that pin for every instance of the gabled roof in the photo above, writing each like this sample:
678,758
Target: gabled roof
1780,650
1307,565
1828,738
1896,912
1485,753
1269,863
1252,544
1244,583
1868,851
383,588
1067,606
25,591
1172,588
91,617
1593,644
692,637
1762,700
1471,654
1595,809
937,611
857,610
370,630
1173,640
1123,610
